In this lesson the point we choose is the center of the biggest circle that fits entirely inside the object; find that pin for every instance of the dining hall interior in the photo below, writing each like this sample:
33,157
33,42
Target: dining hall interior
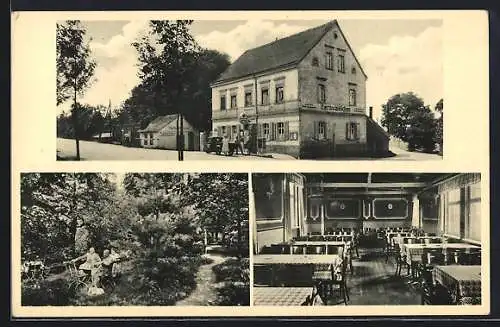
366,238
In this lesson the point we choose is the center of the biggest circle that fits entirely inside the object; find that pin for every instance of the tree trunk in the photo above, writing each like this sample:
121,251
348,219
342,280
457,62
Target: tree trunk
75,125
74,216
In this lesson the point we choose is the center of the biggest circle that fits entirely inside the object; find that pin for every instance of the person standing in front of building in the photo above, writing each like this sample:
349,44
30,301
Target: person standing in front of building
241,142
225,145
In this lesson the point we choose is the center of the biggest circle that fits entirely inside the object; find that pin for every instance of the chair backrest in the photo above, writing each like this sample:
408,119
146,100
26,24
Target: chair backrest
285,249
71,269
434,257
298,249
334,249
315,249
266,249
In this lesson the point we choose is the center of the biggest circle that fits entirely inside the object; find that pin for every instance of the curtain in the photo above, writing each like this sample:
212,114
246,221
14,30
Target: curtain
459,181
474,221
452,224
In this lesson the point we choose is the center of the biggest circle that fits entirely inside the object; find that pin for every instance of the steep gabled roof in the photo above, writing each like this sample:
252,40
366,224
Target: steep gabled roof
281,53
159,123
286,52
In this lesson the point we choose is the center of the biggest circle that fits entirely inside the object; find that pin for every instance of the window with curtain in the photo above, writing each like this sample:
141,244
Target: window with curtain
293,204
473,221
452,222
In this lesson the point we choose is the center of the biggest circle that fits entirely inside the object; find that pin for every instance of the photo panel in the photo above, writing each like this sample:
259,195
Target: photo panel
282,89
368,239
133,239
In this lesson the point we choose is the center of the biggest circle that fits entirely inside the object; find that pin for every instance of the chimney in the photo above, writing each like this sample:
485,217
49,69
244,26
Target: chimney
370,114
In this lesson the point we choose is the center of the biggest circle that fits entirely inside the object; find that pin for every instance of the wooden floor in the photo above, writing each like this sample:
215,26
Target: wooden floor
373,282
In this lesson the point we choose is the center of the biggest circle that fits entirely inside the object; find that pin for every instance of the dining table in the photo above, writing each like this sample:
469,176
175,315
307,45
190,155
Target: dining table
414,252
280,296
462,281
295,259
400,239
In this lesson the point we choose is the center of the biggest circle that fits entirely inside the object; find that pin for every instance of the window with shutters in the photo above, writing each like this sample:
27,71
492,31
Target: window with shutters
321,130
248,99
223,102
329,61
234,104
265,96
352,132
234,130
265,129
281,131
321,93
279,94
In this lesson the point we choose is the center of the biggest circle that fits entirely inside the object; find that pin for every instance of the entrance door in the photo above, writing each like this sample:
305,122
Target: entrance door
190,145
332,148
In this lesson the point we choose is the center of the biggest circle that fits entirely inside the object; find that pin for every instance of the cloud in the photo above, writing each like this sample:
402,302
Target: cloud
251,34
116,70
404,63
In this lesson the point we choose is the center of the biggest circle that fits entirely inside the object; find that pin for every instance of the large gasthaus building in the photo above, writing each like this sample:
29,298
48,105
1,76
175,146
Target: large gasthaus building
305,94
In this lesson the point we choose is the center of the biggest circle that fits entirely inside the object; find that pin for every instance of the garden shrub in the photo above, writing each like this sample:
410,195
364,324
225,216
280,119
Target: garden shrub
234,277
43,293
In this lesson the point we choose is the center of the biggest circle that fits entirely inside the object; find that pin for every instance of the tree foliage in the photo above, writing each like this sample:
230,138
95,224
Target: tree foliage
175,75
221,201
91,122
158,218
439,125
407,117
50,207
75,68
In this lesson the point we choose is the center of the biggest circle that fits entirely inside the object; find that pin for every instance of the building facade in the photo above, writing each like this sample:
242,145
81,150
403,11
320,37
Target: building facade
304,94
161,133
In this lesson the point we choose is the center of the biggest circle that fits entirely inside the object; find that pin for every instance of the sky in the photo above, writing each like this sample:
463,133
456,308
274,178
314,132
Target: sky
397,55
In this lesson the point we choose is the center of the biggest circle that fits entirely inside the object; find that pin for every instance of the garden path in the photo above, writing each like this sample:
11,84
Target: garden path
205,291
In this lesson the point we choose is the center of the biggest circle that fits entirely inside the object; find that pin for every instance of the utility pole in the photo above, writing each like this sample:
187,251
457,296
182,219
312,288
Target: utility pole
256,117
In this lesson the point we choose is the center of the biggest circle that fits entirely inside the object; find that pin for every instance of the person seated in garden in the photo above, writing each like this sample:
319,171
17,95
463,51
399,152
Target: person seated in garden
92,262
115,257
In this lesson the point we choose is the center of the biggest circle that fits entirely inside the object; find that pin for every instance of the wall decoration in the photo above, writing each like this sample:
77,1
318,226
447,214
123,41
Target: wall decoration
390,208
314,212
337,208
269,198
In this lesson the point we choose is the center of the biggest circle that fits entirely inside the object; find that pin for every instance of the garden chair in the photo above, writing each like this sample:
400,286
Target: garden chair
77,278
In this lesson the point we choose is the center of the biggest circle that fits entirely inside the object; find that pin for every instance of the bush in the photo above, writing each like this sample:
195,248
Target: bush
234,278
56,293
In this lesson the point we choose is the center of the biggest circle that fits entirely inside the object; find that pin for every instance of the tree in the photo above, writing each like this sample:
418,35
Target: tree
51,204
439,125
221,202
75,68
406,117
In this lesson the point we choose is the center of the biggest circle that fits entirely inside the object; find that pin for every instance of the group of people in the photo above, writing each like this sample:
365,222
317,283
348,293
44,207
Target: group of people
97,267
241,143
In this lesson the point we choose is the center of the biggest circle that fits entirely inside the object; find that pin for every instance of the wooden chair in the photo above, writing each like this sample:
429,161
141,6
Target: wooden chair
315,249
340,280
400,262
391,249
335,249
77,278
262,275
298,249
